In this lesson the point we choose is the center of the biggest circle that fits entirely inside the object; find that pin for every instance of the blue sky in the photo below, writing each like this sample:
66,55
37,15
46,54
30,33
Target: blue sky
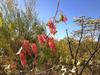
70,8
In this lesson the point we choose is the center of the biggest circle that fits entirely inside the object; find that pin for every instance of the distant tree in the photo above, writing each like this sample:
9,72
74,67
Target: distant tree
89,39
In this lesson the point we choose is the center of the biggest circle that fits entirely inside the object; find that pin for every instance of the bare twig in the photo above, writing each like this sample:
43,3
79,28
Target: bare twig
69,44
79,44
54,18
77,49
95,51
57,9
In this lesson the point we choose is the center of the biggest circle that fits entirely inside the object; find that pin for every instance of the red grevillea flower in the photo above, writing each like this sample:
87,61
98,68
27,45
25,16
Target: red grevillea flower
63,18
23,59
53,30
50,24
39,37
26,46
34,49
52,45
42,38
52,27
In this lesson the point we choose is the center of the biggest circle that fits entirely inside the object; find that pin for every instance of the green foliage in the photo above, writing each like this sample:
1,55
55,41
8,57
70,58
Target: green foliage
17,27
62,51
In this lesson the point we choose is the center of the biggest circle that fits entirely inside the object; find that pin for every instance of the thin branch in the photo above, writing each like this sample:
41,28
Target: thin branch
77,49
95,51
69,44
98,41
89,60
57,9
58,3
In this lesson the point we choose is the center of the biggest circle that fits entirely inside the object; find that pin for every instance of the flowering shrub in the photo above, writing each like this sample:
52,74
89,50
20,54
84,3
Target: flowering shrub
52,27
36,48
42,39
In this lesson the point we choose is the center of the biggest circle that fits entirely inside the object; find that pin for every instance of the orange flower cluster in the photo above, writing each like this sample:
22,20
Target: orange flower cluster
22,58
52,27
49,40
34,49
52,45
63,18
42,38
27,49
26,46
